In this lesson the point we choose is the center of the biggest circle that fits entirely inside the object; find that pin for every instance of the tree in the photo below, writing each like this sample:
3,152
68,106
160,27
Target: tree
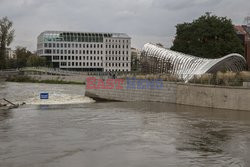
35,61
207,37
6,37
22,55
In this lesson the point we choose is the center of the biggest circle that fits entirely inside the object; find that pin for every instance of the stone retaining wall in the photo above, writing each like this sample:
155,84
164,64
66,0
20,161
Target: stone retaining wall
236,98
167,94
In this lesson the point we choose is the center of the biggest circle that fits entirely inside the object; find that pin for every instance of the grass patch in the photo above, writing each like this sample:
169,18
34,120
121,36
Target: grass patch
33,80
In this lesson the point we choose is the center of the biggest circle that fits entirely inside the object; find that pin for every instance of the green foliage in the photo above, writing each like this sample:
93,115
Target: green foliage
22,55
6,37
28,79
36,61
228,78
207,37
11,63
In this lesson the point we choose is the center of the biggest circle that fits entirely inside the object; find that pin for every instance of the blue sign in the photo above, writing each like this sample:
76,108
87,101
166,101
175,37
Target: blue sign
44,95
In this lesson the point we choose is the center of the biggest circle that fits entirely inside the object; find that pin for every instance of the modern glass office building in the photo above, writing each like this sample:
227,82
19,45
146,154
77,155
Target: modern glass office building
85,51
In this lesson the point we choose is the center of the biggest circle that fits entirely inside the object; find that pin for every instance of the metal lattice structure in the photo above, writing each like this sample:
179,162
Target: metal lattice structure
156,59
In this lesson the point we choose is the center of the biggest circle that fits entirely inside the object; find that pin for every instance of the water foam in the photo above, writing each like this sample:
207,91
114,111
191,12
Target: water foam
55,98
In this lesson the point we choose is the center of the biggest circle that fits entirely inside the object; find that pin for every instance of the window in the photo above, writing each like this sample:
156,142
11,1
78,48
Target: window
45,45
68,63
73,57
61,45
63,63
68,45
65,45
73,63
57,45
61,57
49,45
47,51
68,57
65,51
54,45
65,57
55,57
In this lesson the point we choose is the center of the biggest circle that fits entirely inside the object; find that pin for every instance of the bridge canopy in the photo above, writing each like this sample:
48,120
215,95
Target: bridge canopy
156,59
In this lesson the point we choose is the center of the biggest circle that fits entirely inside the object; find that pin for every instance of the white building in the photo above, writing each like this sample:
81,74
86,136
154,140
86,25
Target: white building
85,51
10,54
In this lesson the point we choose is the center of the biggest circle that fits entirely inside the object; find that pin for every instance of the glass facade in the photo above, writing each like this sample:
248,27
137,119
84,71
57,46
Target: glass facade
74,37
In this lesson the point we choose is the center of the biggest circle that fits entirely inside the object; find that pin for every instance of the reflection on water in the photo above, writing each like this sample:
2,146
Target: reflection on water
122,134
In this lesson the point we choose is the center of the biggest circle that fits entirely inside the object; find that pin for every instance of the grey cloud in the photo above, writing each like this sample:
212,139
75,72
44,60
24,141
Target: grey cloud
143,20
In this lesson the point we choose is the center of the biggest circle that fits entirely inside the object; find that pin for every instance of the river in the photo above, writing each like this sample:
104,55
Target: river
72,130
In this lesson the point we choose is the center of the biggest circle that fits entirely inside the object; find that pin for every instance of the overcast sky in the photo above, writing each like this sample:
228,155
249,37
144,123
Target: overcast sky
143,20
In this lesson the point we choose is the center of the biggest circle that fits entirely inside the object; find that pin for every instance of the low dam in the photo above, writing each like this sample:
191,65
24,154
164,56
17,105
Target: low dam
236,98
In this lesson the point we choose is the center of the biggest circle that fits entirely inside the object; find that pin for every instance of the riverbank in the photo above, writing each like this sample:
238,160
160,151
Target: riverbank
223,97
30,79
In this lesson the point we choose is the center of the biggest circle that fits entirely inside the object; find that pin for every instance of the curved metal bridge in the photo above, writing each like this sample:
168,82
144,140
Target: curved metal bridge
156,59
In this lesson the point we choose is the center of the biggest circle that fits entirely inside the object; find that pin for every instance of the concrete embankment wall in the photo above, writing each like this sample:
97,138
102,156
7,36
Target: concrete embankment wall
166,94
236,98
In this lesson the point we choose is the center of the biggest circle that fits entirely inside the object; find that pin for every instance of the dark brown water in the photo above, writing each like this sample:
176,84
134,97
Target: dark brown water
117,134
